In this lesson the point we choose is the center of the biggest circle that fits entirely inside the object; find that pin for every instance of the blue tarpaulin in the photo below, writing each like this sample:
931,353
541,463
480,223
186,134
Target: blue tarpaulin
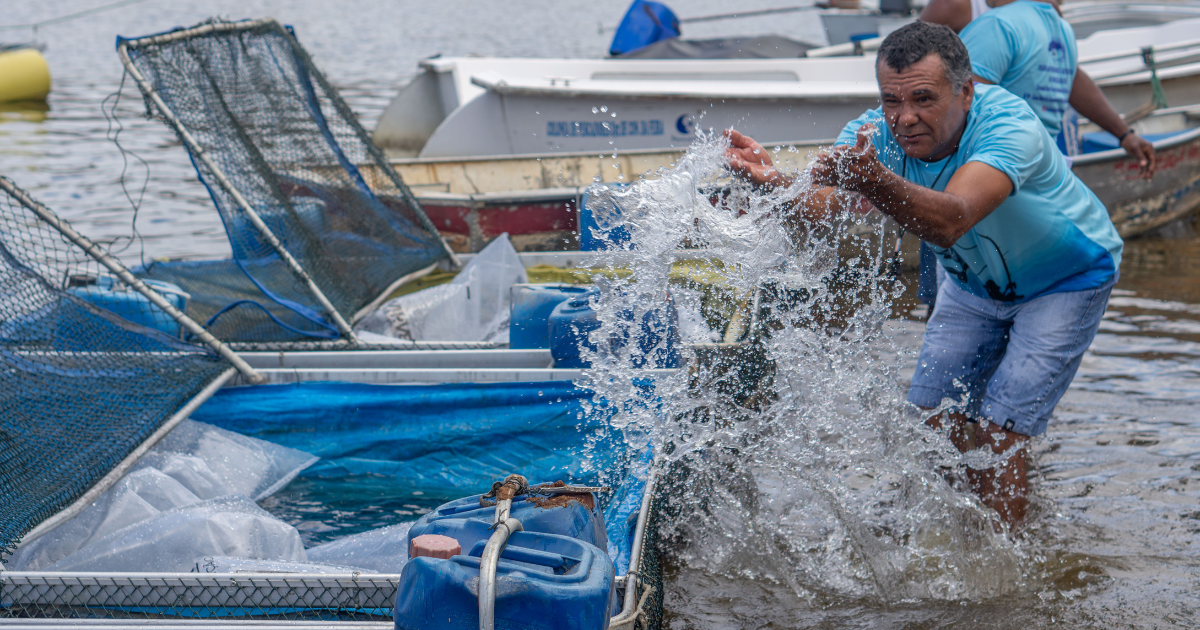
449,440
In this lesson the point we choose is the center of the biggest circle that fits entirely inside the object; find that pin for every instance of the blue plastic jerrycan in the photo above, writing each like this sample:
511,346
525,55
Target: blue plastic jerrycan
543,582
107,292
554,574
572,321
529,320
606,233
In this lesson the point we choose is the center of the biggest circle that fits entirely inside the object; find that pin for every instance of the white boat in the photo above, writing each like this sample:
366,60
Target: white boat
495,106
489,106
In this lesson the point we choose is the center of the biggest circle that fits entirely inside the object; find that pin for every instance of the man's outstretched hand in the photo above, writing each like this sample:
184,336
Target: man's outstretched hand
854,168
750,161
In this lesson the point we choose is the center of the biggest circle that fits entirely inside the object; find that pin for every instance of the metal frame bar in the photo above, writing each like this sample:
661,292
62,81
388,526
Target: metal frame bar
363,346
126,464
148,90
191,624
355,590
632,608
115,266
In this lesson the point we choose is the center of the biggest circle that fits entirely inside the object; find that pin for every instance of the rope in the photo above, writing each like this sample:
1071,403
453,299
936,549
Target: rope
520,486
71,16
1159,98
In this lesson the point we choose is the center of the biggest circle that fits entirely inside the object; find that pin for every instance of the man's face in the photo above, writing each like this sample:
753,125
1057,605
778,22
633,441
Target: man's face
921,108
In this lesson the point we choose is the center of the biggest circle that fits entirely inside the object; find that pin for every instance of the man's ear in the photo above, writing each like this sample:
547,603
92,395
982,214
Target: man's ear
968,95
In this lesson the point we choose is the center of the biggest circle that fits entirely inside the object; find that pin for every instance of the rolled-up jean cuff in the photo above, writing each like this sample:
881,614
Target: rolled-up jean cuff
931,397
1013,420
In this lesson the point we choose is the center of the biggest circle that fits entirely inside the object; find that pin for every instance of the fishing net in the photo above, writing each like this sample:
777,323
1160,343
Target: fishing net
649,571
266,131
80,386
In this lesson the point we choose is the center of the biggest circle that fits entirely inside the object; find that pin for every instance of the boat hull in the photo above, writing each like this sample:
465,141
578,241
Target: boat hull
1138,205
536,199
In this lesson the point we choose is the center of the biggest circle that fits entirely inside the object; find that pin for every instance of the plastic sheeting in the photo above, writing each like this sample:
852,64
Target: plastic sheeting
472,307
761,47
171,541
240,464
384,550
227,564
175,494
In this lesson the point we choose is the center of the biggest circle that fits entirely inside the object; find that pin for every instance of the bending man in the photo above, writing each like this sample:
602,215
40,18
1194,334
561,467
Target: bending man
1030,251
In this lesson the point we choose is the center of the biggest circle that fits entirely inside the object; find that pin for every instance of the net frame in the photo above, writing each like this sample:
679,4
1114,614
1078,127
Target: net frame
116,268
74,370
342,322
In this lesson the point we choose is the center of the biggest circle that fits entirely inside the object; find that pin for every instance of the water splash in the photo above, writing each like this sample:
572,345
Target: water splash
791,452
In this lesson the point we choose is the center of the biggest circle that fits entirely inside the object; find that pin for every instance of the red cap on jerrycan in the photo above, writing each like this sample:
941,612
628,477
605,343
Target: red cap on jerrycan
433,546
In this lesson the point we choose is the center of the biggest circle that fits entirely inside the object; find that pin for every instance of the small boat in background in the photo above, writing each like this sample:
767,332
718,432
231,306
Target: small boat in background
24,74
536,200
465,107
1138,205
1092,17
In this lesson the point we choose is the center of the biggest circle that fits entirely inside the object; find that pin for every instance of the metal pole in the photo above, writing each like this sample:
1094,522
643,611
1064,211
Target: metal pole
115,266
199,153
632,607
487,570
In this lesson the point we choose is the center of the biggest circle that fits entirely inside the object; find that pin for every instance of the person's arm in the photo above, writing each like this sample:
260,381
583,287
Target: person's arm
941,218
953,13
1088,100
751,162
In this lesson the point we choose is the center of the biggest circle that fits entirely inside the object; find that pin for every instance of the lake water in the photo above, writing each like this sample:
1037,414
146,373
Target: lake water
1114,540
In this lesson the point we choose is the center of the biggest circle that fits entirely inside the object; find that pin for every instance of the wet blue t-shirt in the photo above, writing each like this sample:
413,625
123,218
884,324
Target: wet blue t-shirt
1029,50
1052,234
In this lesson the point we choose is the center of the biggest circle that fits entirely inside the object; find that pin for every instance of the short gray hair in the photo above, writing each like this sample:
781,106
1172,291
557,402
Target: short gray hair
913,42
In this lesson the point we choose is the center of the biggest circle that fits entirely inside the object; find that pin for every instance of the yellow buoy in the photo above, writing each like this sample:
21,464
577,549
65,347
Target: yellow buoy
24,75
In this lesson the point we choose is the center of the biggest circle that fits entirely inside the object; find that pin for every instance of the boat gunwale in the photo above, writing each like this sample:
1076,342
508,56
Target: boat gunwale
503,88
1113,155
452,159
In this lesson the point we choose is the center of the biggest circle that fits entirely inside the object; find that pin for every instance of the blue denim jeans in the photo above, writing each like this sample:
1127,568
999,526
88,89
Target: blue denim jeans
1013,361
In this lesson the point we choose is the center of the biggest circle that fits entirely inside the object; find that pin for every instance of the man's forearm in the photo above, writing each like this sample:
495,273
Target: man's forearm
1089,101
937,217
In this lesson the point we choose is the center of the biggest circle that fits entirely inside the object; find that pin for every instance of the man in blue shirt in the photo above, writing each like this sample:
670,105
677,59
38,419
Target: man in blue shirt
1026,47
1030,250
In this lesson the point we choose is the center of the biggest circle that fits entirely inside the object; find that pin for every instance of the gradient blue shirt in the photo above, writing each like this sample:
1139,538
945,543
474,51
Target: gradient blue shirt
1052,234
1029,50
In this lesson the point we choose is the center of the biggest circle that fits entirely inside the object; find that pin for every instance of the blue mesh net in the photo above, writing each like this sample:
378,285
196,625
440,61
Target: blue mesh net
80,387
258,108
